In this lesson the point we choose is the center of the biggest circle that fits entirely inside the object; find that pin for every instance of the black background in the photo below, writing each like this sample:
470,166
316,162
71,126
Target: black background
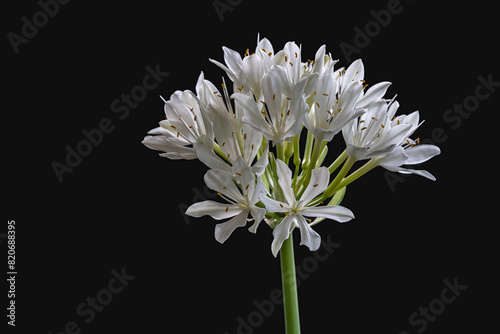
120,206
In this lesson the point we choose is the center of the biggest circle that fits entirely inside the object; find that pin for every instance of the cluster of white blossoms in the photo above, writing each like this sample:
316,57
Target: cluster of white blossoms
248,139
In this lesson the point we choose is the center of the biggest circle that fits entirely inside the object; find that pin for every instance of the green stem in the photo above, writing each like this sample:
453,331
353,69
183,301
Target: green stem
340,176
290,299
341,158
358,173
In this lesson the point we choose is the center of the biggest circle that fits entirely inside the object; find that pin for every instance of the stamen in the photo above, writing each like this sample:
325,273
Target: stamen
252,147
224,143
290,63
315,185
178,133
325,94
281,205
219,194
247,186
296,55
244,136
274,96
240,89
363,128
270,54
238,174
227,208
317,104
246,53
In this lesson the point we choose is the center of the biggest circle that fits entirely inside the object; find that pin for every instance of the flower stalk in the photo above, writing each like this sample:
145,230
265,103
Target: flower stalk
289,284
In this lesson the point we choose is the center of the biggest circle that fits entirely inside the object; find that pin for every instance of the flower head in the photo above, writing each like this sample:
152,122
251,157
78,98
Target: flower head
296,209
241,194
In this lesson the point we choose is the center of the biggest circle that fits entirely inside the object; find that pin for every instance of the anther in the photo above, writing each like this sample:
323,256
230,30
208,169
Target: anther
315,185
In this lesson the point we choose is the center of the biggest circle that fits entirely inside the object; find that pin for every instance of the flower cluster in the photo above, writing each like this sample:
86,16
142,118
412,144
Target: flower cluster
251,138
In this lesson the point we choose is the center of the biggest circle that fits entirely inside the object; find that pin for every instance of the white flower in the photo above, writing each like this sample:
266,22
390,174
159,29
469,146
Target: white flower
241,202
184,125
295,210
234,138
384,138
279,114
330,112
409,155
372,134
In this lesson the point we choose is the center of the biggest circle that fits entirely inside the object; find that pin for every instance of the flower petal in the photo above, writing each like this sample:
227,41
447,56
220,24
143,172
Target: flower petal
213,209
281,233
222,181
258,214
285,181
337,212
319,182
421,153
224,230
273,205
309,237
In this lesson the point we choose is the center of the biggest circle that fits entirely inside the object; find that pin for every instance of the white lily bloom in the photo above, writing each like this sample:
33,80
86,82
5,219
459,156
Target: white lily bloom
279,115
295,210
184,126
241,202
235,138
372,134
331,111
